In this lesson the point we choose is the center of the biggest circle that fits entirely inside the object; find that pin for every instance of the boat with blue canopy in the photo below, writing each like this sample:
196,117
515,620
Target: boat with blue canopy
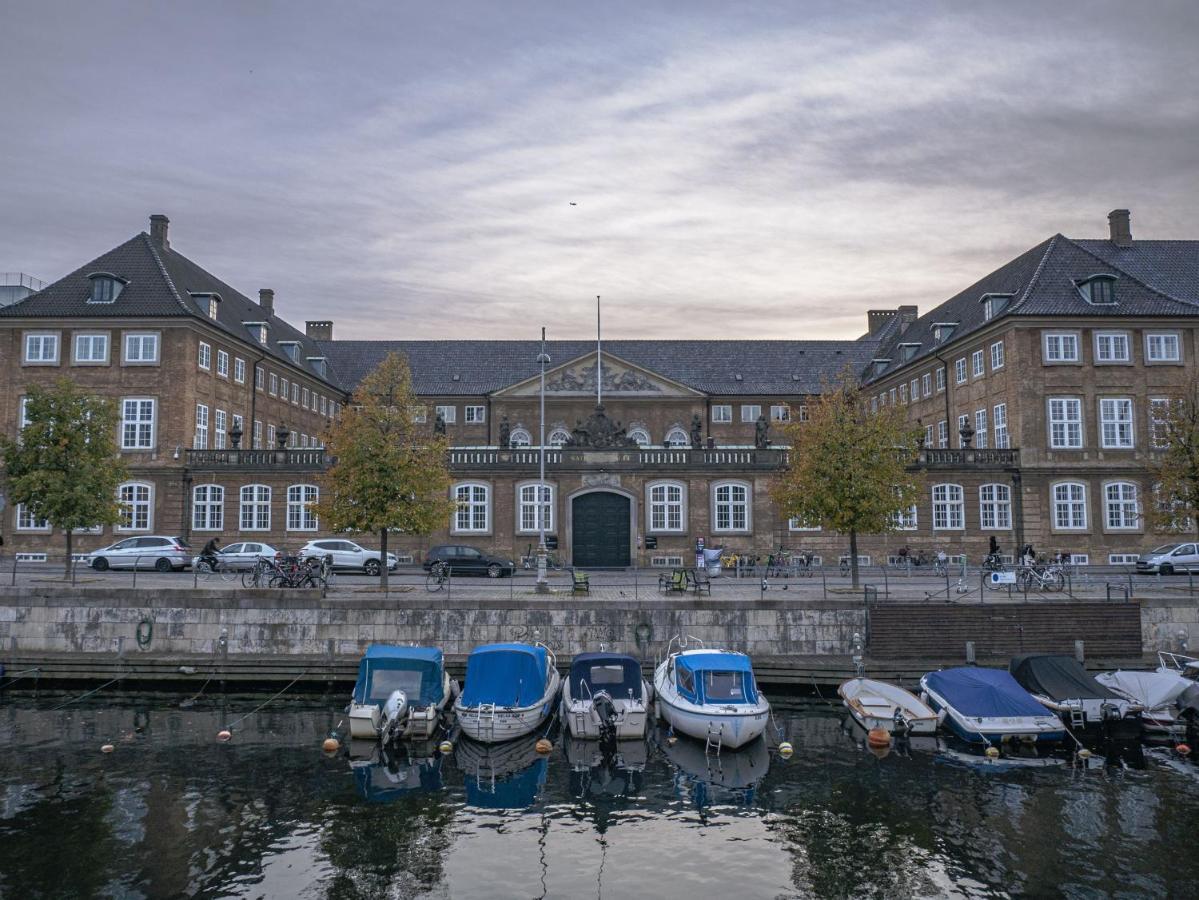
605,696
510,691
401,693
985,706
710,695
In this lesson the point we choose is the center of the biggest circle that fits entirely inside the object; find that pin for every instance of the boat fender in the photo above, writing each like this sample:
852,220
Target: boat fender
544,746
878,737
224,734
107,748
992,753
1183,749
785,749
672,740
446,747
331,744
1084,753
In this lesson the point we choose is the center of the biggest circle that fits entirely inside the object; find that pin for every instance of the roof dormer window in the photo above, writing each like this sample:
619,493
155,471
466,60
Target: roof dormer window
208,302
319,365
1098,290
291,348
942,331
879,365
106,287
258,330
994,304
908,350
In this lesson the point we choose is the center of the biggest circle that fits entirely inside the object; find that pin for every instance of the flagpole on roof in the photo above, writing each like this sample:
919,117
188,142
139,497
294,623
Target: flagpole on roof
543,587
599,375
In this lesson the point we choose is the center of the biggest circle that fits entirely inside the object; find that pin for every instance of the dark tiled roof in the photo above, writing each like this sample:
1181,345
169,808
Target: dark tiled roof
1155,278
160,282
766,367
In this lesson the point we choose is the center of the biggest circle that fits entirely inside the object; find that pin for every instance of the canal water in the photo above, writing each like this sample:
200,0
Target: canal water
172,813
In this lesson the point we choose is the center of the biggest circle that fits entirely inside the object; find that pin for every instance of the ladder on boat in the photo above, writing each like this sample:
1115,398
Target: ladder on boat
1078,718
714,740
487,720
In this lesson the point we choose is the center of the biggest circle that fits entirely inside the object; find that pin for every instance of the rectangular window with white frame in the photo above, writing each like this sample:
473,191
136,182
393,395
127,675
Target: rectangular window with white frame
218,429
802,412
136,507
995,507
977,364
1123,559
208,507
997,355
449,414
26,521
138,423
257,439
1162,347
1060,347
420,414
722,413
949,508
222,364
1065,423
473,513
667,511
980,428
1159,421
304,397
141,349
1002,440
959,370
940,379
532,514
201,436
943,434
926,382
274,389
255,508
205,357
259,378
270,437
239,370
963,423
1070,506
914,391
928,435
750,412
1115,423
300,513
474,415
903,393
906,519
1112,347
1121,506
41,349
731,507
794,524
780,413
91,349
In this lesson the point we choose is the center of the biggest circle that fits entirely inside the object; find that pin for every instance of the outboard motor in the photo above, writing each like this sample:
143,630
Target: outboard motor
605,714
395,711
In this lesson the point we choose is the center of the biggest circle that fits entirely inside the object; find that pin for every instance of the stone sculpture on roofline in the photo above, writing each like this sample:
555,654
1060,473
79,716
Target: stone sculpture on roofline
600,432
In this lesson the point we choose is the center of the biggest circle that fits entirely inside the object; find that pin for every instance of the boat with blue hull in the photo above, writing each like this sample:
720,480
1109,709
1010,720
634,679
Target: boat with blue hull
986,706
711,695
511,689
401,693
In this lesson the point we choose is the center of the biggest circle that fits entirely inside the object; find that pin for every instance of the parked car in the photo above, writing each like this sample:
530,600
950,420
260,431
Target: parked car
1168,559
347,555
463,560
149,552
239,556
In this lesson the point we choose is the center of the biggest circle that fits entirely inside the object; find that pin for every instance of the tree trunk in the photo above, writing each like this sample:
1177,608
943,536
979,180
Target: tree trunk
853,556
383,570
66,570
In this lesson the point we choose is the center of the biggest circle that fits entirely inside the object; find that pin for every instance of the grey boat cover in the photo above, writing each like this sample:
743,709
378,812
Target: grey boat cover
1058,678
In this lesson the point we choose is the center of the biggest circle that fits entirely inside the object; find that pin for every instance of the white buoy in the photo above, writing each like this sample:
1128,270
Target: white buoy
445,747
785,749
224,734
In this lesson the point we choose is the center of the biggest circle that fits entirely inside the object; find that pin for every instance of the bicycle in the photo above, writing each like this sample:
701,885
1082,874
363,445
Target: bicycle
207,569
991,564
1037,577
437,578
941,564
256,576
529,560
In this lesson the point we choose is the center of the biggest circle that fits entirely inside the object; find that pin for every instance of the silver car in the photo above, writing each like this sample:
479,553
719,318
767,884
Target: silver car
347,555
1170,558
165,554
240,556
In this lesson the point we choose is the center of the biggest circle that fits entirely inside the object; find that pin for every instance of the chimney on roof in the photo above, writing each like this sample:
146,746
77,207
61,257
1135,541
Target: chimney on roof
266,299
319,331
1120,227
158,231
876,319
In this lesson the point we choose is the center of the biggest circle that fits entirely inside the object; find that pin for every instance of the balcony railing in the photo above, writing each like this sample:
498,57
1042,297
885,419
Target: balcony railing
969,459
562,459
289,460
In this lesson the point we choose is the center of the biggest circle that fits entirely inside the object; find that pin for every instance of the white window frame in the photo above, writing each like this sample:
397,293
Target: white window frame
906,519
1159,410
1003,440
665,507
676,439
1117,433
1064,498
91,337
1122,559
940,376
141,504
640,436
141,439
300,515
978,364
23,521
222,363
926,384
1120,505
473,414
256,438
997,359
528,510
295,393
41,340
732,507
1108,341
750,412
1054,345
270,437
949,507
208,507
200,441
780,412
473,514
1071,426
722,413
980,429
795,524
140,340
995,507
1153,338
219,429
959,370
204,357
943,434
304,394
557,437
254,507
519,438
903,393
449,414
239,370
259,378
274,388
963,421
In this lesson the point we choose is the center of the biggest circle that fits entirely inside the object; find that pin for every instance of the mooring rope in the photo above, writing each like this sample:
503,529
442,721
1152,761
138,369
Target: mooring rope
229,727
18,676
88,694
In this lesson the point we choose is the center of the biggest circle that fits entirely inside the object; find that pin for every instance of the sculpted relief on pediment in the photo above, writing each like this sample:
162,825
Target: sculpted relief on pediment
578,378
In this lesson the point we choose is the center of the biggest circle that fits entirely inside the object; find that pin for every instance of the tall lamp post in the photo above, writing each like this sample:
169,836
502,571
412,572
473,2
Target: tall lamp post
543,586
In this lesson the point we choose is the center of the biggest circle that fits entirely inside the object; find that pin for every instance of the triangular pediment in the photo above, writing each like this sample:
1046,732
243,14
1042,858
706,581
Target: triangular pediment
621,379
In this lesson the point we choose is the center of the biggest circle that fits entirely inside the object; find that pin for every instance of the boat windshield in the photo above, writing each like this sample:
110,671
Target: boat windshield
384,681
724,686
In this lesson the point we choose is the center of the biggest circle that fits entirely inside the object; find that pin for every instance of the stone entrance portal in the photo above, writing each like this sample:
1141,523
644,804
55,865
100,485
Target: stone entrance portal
600,530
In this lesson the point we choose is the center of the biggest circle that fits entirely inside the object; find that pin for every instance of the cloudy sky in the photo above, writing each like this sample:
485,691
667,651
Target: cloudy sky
477,169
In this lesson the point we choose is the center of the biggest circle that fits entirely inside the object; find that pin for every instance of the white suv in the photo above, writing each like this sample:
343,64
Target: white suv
347,555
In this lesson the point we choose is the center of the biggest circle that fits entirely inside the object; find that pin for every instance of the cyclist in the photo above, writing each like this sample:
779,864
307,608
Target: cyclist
994,561
210,551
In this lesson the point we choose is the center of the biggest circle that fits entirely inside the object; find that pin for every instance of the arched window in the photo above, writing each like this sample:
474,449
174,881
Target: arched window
666,506
730,506
949,508
677,438
1121,505
640,436
1070,506
994,507
519,438
300,514
255,508
558,437
528,510
473,515
208,507
136,506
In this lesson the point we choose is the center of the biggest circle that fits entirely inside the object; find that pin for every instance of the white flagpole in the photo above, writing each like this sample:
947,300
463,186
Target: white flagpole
599,374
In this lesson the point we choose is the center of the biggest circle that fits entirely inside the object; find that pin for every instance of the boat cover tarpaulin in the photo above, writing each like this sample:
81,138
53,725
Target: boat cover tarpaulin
709,667
983,693
505,674
417,671
617,673
1152,690
1058,678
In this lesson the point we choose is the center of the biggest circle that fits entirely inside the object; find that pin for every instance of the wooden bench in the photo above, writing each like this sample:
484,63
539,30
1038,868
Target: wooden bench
699,581
580,582
674,583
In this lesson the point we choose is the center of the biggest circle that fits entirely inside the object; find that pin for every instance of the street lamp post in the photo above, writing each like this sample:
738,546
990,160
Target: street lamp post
543,586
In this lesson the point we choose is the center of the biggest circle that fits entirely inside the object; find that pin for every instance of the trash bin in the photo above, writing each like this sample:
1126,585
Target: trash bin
712,560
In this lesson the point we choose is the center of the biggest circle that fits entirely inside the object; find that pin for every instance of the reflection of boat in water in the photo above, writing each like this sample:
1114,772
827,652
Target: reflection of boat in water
707,777
501,776
901,745
385,773
401,693
617,773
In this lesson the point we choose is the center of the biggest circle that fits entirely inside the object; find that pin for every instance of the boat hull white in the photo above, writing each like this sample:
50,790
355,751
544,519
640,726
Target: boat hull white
366,719
735,724
580,719
873,704
494,725
996,729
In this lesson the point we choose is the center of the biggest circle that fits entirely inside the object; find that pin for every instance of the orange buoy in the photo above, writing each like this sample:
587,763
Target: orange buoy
878,737
882,751
1183,749
544,746
224,734
992,753
331,745
106,748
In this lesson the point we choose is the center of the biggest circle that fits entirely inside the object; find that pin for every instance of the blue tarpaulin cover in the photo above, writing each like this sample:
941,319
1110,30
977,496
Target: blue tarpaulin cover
984,693
598,670
720,677
506,675
417,671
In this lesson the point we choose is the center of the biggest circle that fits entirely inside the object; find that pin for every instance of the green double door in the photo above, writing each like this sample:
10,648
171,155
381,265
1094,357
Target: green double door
600,531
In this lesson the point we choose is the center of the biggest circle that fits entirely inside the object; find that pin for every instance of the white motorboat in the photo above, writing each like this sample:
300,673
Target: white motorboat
401,693
710,695
510,691
1169,698
605,696
877,704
